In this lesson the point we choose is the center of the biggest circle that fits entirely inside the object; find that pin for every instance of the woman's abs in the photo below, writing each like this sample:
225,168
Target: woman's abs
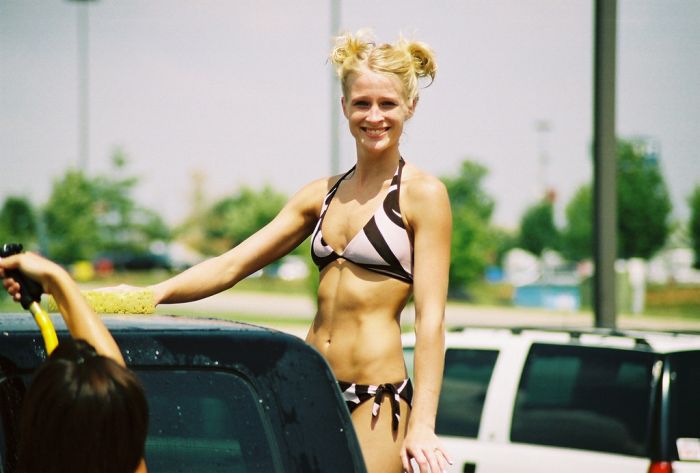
357,327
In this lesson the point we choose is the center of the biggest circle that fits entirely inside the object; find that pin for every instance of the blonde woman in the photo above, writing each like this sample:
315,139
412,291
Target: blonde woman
380,233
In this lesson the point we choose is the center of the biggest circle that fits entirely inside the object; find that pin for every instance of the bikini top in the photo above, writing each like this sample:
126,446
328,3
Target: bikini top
381,246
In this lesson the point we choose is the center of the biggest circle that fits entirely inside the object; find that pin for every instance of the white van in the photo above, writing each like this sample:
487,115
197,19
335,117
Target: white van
574,401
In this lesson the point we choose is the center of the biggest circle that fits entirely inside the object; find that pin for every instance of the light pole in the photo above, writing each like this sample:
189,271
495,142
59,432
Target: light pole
604,170
543,127
83,41
335,103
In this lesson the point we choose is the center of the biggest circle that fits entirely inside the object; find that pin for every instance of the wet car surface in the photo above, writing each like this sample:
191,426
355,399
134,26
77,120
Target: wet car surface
223,396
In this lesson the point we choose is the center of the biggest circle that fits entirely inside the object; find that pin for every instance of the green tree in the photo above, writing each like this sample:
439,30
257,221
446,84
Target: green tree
124,225
18,221
644,205
234,218
473,247
85,216
71,219
576,237
694,224
504,240
537,229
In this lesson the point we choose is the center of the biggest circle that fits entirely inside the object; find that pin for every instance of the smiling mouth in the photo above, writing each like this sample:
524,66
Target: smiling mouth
375,131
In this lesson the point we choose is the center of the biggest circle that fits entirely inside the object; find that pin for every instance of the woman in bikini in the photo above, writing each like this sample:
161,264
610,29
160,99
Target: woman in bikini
380,233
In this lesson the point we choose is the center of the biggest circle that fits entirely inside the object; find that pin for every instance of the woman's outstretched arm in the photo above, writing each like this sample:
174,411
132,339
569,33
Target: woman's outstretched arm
284,233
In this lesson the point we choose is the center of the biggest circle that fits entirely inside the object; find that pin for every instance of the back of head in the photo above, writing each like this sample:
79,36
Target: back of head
82,413
406,59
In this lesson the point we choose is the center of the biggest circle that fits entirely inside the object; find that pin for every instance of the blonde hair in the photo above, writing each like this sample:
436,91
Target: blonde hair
408,60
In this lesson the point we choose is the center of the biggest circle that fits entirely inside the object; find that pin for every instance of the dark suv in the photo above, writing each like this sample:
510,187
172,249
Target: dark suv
223,396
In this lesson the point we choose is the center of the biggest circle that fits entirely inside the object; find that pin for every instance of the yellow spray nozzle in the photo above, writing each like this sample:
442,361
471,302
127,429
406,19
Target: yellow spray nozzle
45,325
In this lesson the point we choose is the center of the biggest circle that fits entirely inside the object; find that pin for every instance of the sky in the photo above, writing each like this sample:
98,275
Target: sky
240,92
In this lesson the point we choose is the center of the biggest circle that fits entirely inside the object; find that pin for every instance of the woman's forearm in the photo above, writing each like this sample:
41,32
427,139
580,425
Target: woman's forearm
202,280
81,320
428,366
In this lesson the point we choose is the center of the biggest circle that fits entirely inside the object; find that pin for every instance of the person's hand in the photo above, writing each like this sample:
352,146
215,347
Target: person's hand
422,445
31,265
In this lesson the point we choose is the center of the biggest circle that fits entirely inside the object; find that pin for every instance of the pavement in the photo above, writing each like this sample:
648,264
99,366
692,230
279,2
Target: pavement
293,314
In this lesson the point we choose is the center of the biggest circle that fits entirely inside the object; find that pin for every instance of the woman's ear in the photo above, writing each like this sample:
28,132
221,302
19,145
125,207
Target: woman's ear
342,105
412,107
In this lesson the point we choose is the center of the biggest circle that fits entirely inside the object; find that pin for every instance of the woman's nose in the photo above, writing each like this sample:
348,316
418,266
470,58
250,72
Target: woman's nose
374,114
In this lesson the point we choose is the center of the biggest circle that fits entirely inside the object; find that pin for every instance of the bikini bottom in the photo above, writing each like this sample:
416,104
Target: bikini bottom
356,394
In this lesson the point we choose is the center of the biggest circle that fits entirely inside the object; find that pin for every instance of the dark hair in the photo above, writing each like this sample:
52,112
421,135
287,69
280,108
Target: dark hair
82,413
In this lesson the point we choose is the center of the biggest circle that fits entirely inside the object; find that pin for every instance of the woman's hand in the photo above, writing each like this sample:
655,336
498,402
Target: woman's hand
33,266
422,445
81,320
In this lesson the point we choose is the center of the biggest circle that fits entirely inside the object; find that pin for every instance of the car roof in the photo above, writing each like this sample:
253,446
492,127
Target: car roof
25,322
642,340
140,336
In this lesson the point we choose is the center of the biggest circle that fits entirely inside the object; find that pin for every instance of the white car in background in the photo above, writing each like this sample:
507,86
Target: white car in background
573,401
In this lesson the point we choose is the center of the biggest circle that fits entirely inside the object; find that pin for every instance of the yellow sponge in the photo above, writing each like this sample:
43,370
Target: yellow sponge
116,302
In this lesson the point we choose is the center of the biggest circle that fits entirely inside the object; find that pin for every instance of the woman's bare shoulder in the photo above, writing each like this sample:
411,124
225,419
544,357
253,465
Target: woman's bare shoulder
424,200
420,186
311,195
318,188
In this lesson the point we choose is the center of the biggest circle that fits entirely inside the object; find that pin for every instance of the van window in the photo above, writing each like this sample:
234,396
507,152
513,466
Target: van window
206,420
465,382
684,398
585,398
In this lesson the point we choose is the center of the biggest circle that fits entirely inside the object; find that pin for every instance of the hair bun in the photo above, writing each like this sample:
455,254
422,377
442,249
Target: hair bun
423,59
349,47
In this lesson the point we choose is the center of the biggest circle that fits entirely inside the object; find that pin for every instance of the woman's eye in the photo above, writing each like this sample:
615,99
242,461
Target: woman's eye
389,104
361,103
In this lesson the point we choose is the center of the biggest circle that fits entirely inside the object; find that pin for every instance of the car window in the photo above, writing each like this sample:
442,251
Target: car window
685,404
465,382
208,421
586,398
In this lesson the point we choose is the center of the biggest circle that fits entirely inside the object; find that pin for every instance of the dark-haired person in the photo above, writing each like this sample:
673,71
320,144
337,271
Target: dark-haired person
84,411
380,233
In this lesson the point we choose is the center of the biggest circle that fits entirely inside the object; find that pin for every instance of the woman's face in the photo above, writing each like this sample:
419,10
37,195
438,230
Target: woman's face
376,110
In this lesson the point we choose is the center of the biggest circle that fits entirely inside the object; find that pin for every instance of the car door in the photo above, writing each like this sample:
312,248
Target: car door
468,373
577,409
548,408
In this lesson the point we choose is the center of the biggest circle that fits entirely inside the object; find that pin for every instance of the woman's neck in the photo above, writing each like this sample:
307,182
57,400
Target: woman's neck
371,167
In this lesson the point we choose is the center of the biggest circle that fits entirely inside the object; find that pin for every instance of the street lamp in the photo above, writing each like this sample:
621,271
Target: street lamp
83,37
335,103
